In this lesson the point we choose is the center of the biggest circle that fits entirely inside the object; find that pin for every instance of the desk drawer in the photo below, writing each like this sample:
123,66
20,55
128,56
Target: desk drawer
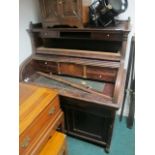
71,69
50,34
39,124
46,66
57,145
98,73
107,36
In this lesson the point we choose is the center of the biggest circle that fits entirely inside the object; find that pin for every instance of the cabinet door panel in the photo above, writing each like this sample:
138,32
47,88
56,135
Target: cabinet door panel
71,12
61,12
89,124
50,9
87,120
70,8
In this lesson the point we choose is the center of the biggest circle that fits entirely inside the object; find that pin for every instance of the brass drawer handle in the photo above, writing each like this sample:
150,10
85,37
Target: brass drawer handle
51,111
25,142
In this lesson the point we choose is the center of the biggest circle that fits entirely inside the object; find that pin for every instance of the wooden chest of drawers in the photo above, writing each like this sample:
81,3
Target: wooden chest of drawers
40,116
57,145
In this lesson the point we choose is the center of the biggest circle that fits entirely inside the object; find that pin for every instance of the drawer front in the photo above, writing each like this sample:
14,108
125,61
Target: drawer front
107,36
51,147
50,34
71,69
46,66
97,73
29,135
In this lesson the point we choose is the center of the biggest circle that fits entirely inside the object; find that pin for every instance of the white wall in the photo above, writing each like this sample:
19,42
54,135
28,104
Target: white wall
28,11
130,12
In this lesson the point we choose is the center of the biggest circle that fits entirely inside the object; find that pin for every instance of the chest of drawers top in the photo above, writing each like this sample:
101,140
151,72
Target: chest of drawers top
33,100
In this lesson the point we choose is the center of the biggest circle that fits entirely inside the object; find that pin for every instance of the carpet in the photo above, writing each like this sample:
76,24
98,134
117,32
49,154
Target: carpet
123,142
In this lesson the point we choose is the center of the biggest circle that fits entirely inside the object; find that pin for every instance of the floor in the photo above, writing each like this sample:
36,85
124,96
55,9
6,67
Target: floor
122,143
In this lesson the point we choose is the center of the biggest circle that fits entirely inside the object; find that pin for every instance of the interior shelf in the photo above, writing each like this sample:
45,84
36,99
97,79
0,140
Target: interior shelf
80,53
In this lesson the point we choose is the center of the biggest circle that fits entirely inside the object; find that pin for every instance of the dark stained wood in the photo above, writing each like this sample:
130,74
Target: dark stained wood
83,119
26,69
81,68
123,27
65,12
80,95
107,36
108,89
95,54
71,69
130,69
89,90
99,73
119,85
80,53
80,61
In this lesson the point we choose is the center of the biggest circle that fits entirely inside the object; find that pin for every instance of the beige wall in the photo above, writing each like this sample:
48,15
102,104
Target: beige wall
28,11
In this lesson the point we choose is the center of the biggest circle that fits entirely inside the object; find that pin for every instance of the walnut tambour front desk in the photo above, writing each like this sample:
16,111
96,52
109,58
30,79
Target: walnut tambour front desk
40,116
86,67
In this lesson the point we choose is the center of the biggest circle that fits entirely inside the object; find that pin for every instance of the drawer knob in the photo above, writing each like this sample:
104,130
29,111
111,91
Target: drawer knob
51,111
108,35
25,142
60,2
45,63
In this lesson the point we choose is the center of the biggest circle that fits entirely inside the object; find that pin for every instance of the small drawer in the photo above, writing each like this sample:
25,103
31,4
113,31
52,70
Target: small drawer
46,66
51,147
107,36
44,62
98,73
71,69
50,34
39,124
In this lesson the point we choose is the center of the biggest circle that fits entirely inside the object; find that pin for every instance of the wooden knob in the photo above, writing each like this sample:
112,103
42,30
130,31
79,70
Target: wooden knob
60,2
108,35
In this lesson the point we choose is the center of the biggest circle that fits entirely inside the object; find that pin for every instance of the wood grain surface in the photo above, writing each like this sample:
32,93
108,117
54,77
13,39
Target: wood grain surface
32,100
56,145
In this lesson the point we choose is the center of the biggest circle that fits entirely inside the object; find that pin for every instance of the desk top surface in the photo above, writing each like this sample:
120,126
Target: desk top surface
121,26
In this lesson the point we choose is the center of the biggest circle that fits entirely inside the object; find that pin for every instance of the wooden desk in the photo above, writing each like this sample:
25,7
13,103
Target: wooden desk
93,55
40,116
